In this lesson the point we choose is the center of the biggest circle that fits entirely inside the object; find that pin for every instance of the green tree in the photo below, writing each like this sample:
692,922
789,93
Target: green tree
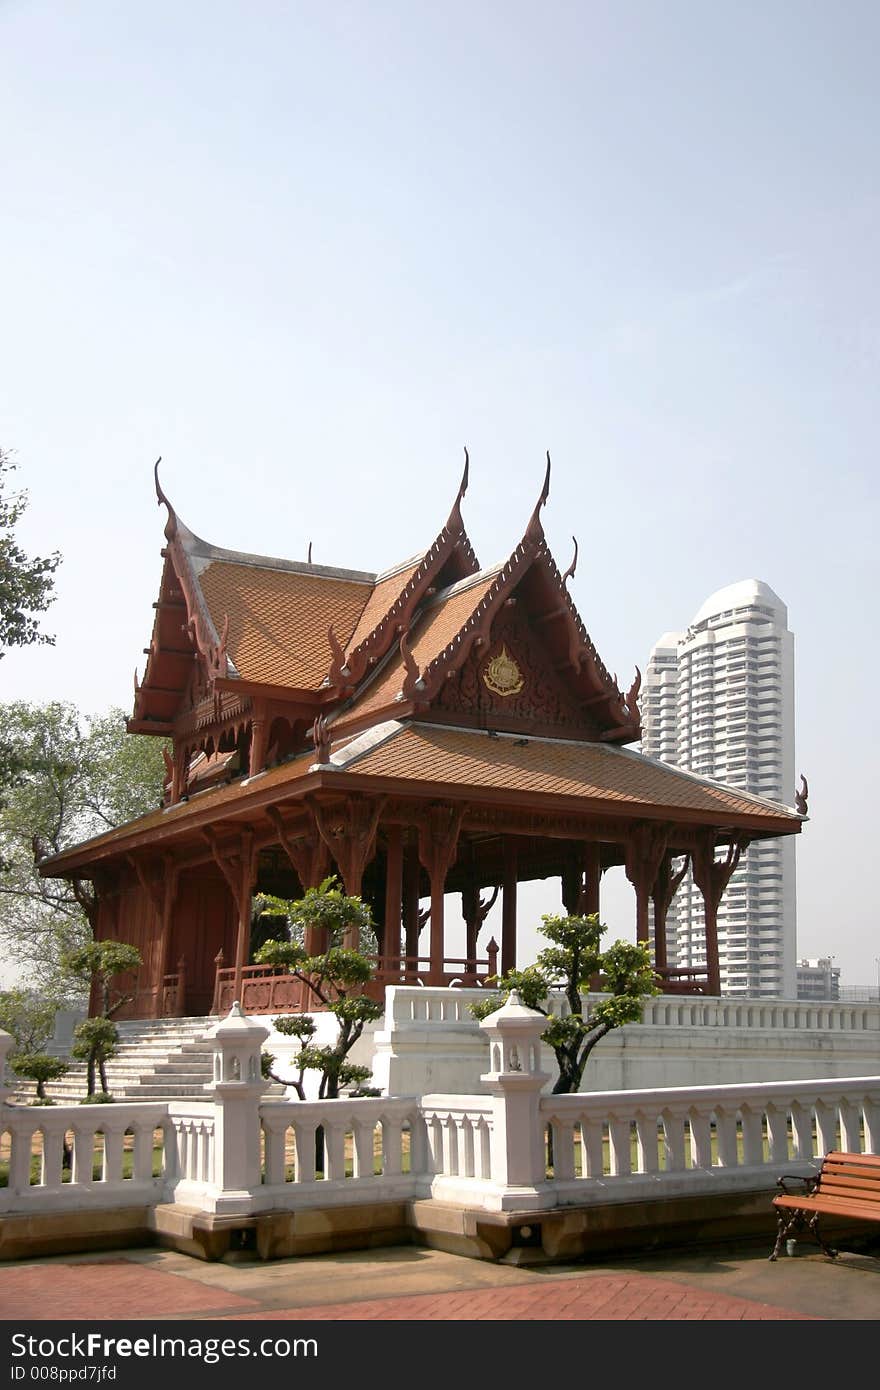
95,1041
79,776
335,978
39,1067
26,586
30,1019
571,963
100,963
96,966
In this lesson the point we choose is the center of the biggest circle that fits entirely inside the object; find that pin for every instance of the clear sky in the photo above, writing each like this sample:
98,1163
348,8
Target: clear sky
307,251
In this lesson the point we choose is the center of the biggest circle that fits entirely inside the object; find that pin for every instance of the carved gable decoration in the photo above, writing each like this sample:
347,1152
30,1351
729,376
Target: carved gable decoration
509,683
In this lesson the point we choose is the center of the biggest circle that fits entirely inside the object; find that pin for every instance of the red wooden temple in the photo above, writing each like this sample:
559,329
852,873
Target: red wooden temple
437,729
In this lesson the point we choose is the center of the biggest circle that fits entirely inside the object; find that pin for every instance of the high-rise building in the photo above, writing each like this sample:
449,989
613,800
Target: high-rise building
718,700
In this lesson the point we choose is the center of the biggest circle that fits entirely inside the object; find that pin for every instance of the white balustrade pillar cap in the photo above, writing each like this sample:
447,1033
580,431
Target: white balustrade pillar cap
237,1029
515,1017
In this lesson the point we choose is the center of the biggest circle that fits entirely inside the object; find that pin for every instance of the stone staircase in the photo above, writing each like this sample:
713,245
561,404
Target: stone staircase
158,1059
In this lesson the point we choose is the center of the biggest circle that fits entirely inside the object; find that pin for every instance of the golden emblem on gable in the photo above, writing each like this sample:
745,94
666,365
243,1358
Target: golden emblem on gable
502,675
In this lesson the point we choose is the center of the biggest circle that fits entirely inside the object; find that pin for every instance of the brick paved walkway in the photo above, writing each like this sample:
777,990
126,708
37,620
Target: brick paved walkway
119,1289
601,1297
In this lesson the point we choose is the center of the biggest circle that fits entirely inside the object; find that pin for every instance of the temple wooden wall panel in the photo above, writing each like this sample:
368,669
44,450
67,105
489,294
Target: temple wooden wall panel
126,913
204,921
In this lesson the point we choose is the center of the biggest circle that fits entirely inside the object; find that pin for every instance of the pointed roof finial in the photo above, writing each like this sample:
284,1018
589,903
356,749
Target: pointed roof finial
569,573
534,530
161,499
454,521
309,558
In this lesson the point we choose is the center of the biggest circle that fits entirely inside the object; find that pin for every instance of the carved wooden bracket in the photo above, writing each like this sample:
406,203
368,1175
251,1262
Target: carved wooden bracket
666,884
237,867
349,832
644,851
712,875
306,850
439,828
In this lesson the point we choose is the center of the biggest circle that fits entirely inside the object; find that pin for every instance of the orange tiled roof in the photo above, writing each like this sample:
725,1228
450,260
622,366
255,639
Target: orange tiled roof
384,595
552,767
437,626
426,753
278,619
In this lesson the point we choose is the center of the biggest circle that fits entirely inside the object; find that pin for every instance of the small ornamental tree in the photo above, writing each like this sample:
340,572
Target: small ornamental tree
39,1067
96,1040
572,960
335,978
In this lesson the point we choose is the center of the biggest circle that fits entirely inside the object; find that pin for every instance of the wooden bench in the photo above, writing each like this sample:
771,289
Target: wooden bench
846,1190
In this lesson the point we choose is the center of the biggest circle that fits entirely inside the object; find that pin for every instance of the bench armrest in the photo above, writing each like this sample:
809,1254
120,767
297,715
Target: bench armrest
808,1184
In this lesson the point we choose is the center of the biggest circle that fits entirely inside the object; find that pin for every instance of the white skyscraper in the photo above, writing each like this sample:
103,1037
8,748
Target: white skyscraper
718,700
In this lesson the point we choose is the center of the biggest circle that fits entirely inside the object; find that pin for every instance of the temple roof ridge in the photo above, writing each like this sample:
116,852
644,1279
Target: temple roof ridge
202,553
461,585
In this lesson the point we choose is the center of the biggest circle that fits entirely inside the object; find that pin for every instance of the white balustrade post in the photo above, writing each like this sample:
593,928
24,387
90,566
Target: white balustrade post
514,1080
6,1041
236,1090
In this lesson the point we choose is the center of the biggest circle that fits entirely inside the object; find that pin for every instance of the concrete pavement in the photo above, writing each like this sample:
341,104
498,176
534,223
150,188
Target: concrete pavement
412,1283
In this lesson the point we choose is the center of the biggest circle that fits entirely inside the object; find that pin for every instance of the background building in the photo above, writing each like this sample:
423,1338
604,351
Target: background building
718,700
818,979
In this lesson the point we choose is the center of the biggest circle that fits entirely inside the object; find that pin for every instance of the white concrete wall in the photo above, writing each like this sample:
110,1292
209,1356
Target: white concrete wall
428,1041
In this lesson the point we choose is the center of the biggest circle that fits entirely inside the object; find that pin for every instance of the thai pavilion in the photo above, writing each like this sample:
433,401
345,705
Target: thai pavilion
436,729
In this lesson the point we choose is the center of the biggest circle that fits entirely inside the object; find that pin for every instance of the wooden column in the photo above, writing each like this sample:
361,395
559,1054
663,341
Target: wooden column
349,832
589,902
411,923
310,858
508,908
644,851
171,878
474,910
161,891
393,893
438,845
259,738
178,773
238,867
246,882
665,887
712,877
580,881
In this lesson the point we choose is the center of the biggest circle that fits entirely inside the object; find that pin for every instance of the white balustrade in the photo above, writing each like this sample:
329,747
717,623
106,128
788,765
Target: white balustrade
237,1153
371,1149
627,1145
52,1155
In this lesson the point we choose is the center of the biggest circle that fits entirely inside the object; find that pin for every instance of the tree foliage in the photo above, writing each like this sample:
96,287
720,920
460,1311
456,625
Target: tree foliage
26,585
29,1017
335,978
100,963
95,1041
572,961
41,1068
78,777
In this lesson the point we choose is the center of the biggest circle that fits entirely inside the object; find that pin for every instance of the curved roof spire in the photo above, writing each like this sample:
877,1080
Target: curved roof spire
171,523
534,530
454,521
569,573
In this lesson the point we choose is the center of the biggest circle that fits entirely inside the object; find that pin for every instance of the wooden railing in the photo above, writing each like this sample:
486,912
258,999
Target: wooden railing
273,990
